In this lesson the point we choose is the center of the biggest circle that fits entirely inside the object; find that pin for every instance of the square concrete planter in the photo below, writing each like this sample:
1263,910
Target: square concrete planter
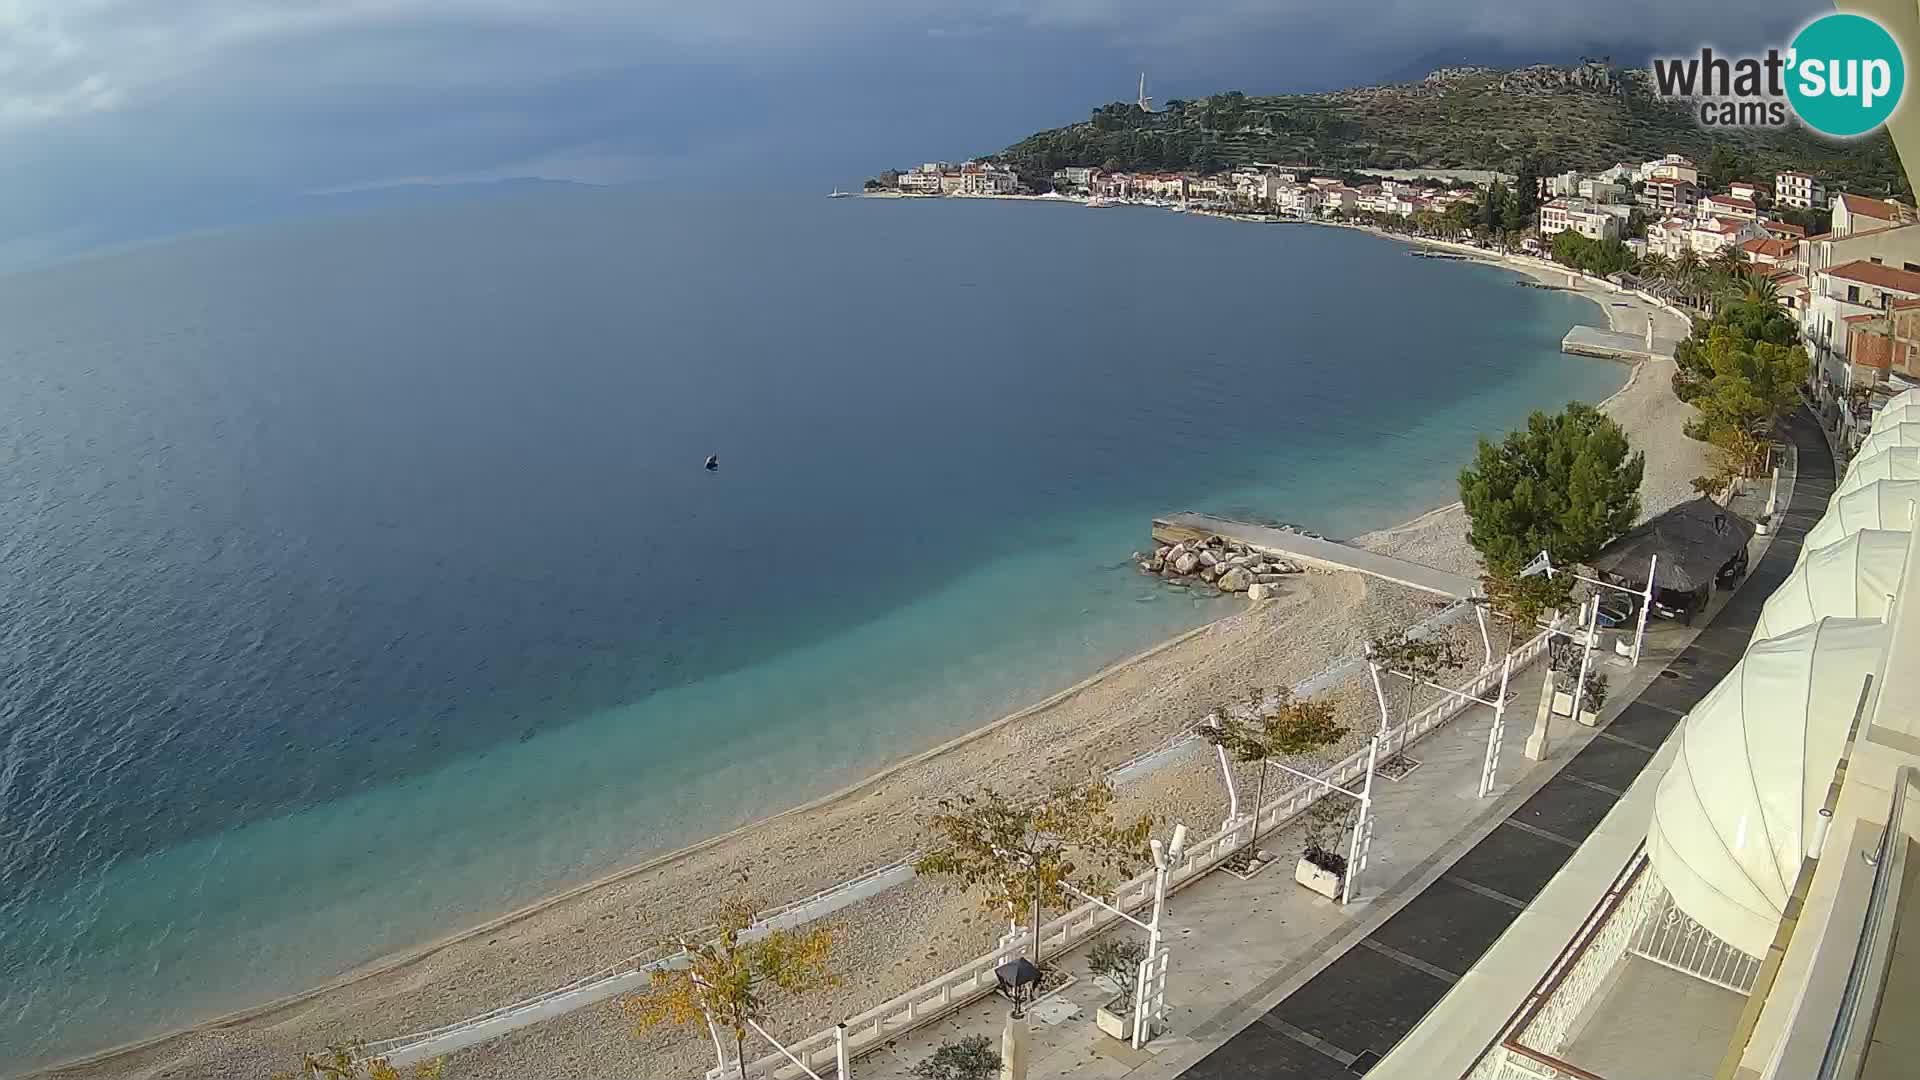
1320,880
1562,704
1589,717
1118,1025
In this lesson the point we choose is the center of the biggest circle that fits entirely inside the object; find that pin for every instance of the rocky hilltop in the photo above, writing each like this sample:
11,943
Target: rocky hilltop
1586,116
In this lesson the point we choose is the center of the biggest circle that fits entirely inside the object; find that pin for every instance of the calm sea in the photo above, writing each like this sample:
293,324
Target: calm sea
361,577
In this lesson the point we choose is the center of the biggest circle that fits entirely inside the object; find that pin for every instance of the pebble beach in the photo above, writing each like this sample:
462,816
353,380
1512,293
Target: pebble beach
898,939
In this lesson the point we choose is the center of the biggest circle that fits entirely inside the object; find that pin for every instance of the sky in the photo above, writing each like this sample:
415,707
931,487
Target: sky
124,119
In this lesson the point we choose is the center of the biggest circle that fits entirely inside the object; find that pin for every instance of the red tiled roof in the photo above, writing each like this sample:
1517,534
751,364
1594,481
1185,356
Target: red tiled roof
1881,277
1768,246
1733,200
1873,208
1786,227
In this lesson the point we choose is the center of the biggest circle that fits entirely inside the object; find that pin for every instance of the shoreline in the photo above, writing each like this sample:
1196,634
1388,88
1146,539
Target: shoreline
1235,620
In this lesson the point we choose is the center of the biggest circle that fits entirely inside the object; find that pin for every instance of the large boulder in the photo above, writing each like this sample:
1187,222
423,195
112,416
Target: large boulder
1184,563
1145,567
1208,573
1258,591
1236,580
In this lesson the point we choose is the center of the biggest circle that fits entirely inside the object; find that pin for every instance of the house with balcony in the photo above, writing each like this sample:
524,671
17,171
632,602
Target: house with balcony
1601,191
1579,216
1670,195
978,178
1730,206
1771,252
1338,197
1711,235
1840,293
1799,189
1784,230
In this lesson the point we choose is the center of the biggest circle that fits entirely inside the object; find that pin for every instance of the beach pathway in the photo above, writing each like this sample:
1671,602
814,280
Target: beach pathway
1269,981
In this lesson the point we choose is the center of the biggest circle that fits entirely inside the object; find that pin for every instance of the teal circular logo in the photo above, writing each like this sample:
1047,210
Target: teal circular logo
1845,75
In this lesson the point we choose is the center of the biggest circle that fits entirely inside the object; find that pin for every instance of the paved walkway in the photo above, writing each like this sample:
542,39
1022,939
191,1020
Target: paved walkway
1328,554
1352,1012
1236,939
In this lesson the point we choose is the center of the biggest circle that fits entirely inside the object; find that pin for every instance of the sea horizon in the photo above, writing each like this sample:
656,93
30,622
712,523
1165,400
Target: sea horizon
332,397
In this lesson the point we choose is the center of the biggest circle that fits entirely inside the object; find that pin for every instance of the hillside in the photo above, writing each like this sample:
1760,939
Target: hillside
1584,117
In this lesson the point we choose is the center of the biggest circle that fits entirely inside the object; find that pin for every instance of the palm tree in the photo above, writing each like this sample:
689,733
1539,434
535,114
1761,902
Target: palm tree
1730,261
1760,289
1655,266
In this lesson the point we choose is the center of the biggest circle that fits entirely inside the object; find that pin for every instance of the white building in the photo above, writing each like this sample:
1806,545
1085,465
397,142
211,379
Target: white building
1671,167
1712,235
1602,191
1859,287
1731,206
1580,216
1798,189
979,179
1337,197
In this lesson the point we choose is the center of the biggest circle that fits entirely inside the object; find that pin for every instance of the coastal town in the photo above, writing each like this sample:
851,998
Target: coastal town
1845,266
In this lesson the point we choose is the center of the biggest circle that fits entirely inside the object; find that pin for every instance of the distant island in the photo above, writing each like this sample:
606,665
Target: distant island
1540,119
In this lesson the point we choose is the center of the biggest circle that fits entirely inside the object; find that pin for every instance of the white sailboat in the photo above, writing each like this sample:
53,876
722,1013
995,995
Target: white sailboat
836,193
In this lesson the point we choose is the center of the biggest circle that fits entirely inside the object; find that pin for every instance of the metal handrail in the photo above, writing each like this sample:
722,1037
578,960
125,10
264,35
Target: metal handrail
1859,1009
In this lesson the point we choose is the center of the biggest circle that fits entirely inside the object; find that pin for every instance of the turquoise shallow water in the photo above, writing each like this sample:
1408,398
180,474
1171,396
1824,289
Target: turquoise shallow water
363,578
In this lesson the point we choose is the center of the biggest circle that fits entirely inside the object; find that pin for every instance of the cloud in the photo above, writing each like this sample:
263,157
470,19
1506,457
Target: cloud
162,113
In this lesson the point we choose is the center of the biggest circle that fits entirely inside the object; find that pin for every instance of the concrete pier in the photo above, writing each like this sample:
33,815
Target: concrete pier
1607,344
1325,554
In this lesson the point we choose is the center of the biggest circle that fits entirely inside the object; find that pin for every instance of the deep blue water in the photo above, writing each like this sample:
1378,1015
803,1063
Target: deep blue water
361,577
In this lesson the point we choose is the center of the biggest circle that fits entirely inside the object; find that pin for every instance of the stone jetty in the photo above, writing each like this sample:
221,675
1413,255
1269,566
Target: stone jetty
1217,565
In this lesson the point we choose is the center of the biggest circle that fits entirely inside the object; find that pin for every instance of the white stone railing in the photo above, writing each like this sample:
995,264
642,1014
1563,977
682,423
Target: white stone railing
975,979
633,972
1531,1043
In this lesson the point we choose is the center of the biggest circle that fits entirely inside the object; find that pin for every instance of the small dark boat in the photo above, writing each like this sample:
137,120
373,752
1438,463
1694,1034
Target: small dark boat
713,462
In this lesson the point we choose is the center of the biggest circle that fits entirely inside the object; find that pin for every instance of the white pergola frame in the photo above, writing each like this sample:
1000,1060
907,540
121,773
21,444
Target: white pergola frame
1362,828
1543,564
1150,978
1498,704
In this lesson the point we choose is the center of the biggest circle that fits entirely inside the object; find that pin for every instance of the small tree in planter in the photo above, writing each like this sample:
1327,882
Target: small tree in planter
1417,660
1288,729
1323,859
1024,856
969,1058
1592,698
1118,961
725,981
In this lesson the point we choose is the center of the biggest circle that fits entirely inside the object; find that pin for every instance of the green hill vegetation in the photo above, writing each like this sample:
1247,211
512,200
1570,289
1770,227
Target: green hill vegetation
1586,117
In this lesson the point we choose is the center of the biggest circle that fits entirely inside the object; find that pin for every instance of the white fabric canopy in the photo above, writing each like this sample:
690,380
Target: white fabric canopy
1893,463
1891,435
1905,397
1907,412
1850,578
1883,504
1737,810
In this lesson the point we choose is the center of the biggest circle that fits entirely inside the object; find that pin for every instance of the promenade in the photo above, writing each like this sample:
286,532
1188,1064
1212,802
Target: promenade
1268,980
